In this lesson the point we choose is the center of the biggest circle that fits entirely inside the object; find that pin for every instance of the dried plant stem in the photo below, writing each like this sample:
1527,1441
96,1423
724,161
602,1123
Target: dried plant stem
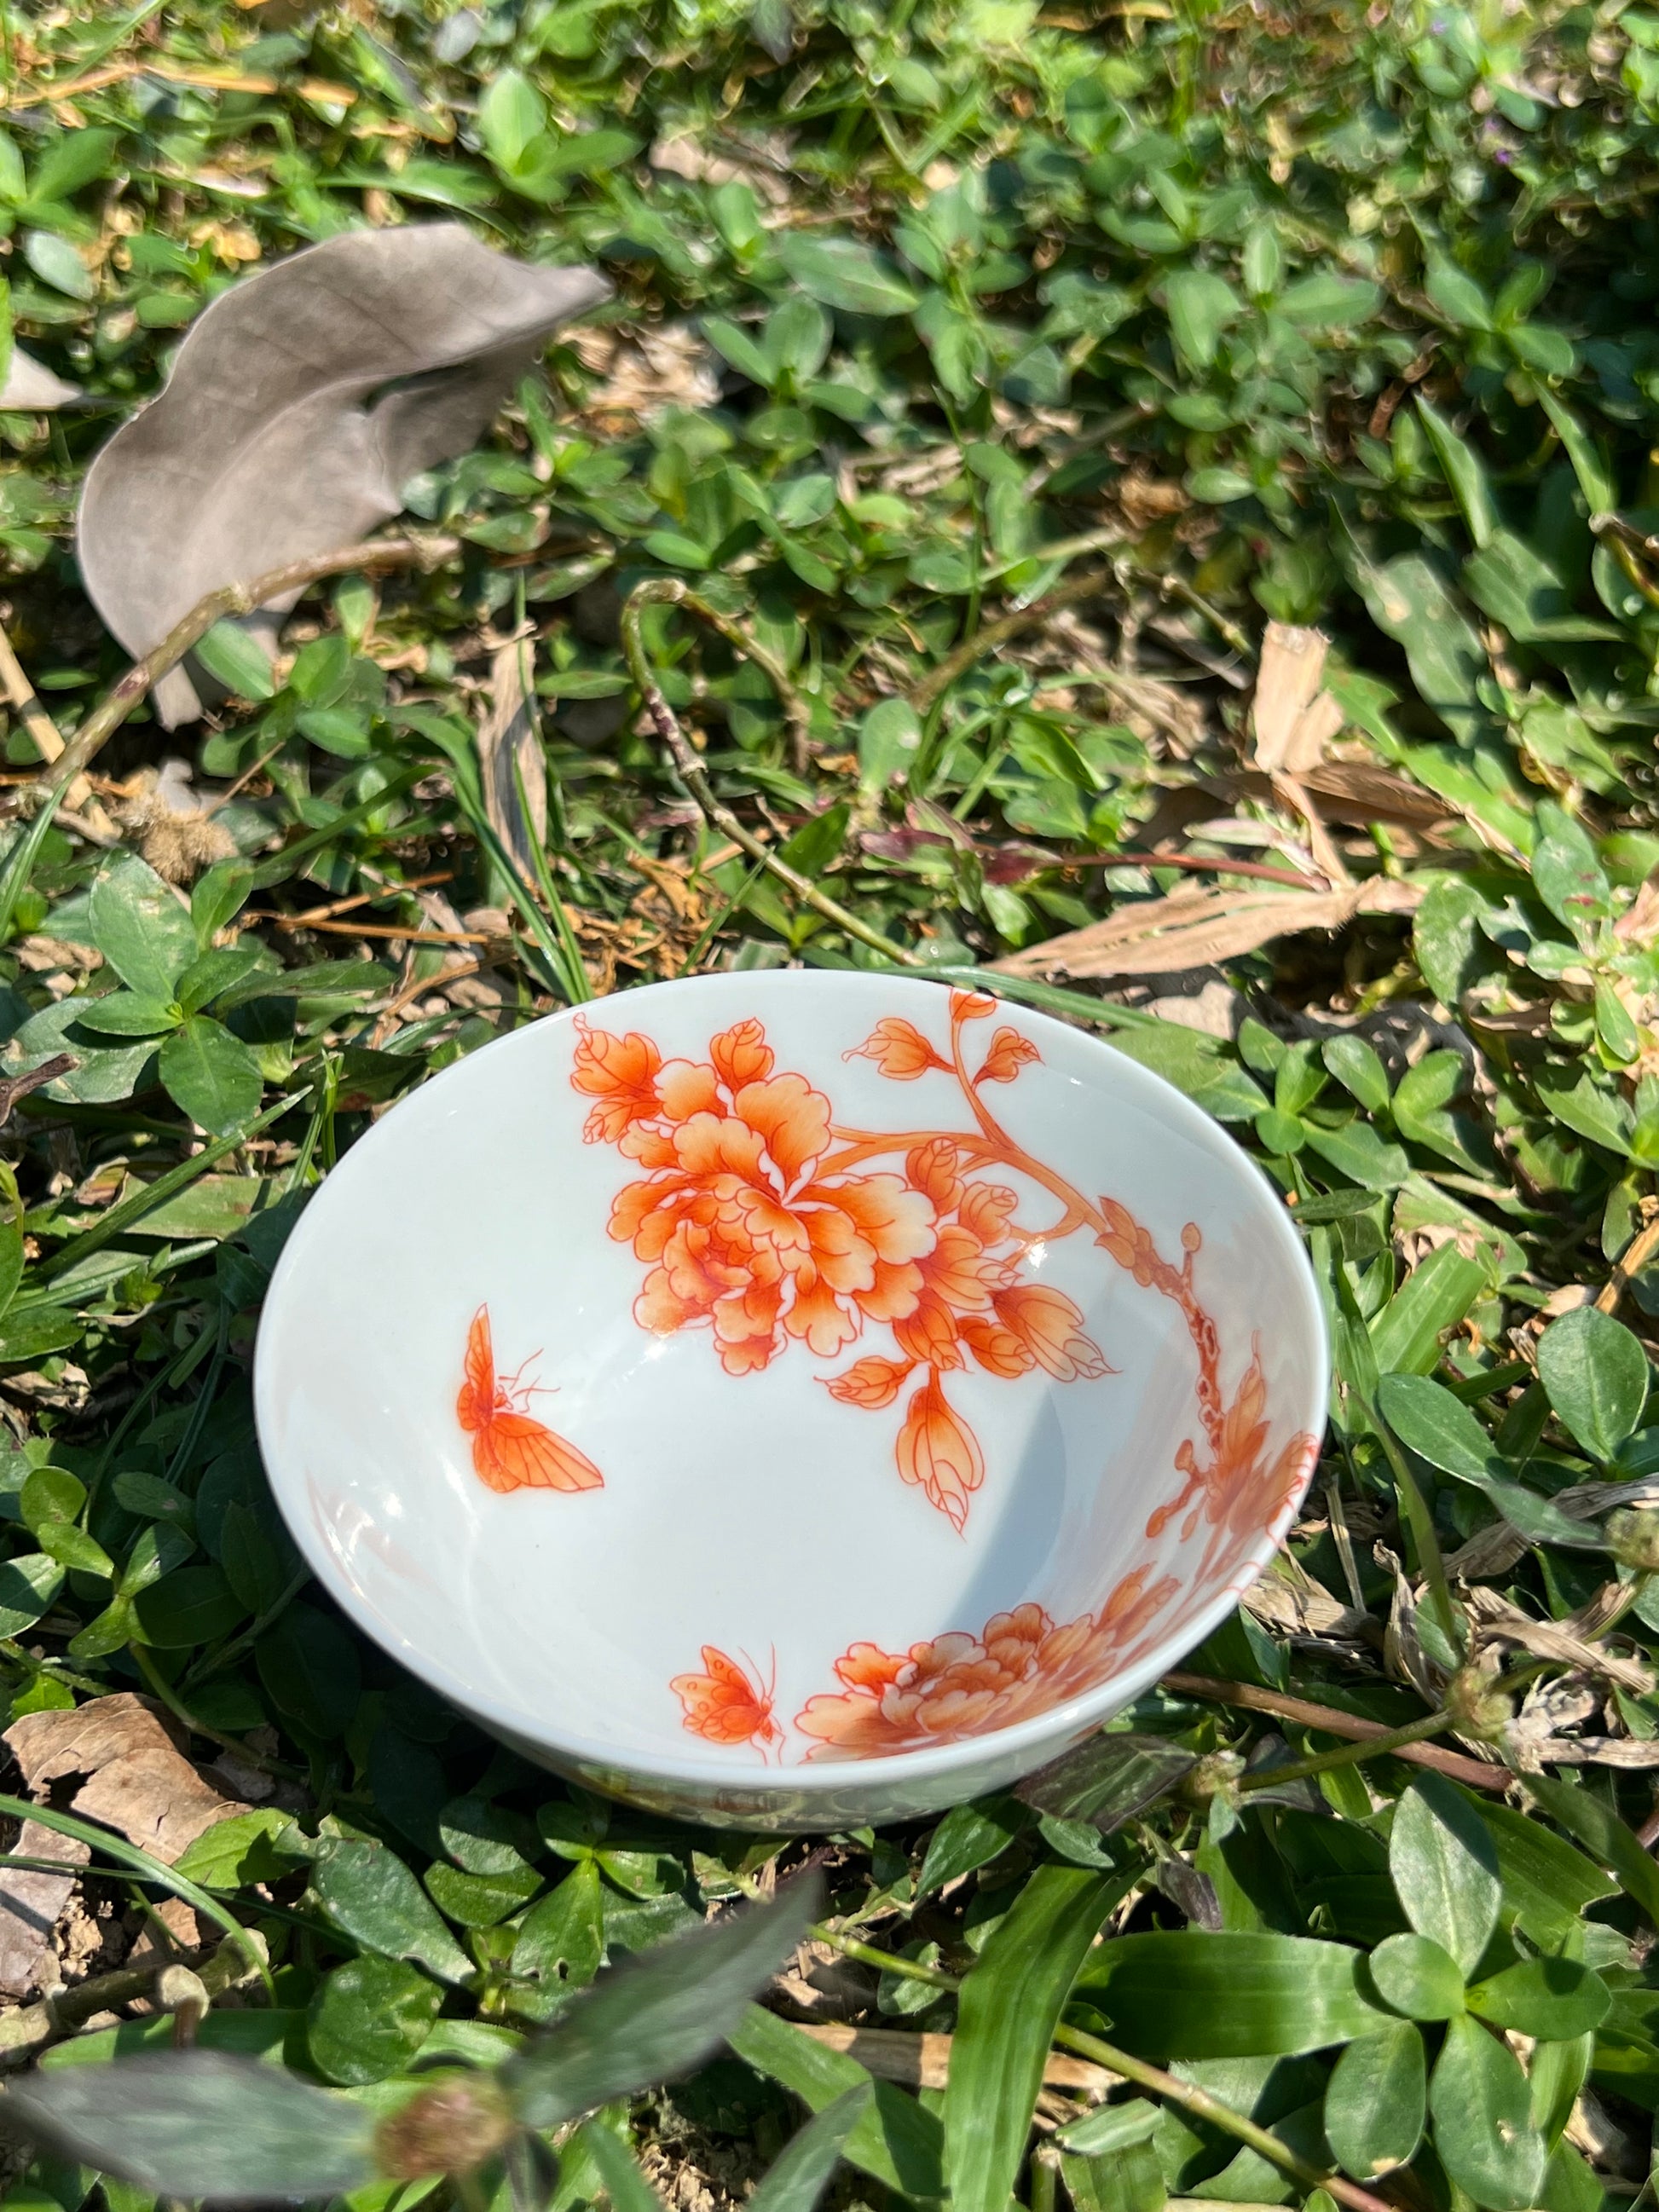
46,738
1628,1265
923,2061
1331,1721
666,591
118,702
987,638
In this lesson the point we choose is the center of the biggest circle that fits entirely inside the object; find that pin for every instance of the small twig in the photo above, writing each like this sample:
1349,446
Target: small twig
796,712
313,915
416,988
923,2061
405,932
1332,1722
45,735
18,1086
1629,1264
987,638
125,694
1199,864
667,591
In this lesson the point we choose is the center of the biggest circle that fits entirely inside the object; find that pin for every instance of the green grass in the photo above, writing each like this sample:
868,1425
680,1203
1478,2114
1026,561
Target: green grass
1000,373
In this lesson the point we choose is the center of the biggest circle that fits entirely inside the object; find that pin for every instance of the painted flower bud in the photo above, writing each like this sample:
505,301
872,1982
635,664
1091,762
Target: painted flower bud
449,2129
1633,1533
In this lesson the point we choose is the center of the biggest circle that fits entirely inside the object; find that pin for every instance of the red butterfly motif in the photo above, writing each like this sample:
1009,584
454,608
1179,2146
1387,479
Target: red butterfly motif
510,1451
730,1703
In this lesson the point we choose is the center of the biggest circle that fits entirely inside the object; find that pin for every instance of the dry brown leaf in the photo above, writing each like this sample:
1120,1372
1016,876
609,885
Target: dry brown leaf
138,1782
1359,791
1197,928
1291,718
1553,1639
1289,1599
506,737
30,1904
923,2062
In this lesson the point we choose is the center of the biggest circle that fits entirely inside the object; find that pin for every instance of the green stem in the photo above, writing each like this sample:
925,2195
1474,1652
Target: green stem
1347,1754
1173,2090
120,1218
667,591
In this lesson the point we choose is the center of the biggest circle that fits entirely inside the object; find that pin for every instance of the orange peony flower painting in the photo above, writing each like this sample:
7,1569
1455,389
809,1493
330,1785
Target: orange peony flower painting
760,1219
958,1685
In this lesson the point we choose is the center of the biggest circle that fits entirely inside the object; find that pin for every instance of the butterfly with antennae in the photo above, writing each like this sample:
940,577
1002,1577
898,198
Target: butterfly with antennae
730,1703
511,1449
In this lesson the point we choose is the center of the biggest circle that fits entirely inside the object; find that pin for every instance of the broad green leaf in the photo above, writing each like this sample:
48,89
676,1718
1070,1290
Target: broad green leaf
1445,1869
211,1075
512,115
234,656
1547,1885
200,2123
242,1848
1447,939
1596,1374
889,736
899,2142
1107,1779
1189,1994
1465,471
1457,295
1323,301
795,2181
1357,1152
1410,599
1434,1297
141,927
1355,1064
191,1605
368,1892
1377,2101
1418,1977
842,273
368,2020
309,1668
1442,1430
560,1939
1006,2014
1603,1835
969,1836
1202,305
1551,2000
126,1013
29,1583
1483,2128
657,2014
1567,875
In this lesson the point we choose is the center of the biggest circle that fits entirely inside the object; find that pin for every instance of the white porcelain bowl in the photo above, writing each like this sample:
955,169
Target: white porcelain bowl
792,1400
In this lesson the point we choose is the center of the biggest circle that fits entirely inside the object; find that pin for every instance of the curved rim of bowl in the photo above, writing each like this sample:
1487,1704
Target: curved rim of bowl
709,1777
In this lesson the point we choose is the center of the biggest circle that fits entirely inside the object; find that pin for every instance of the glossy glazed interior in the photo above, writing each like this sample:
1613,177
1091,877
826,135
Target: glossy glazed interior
864,1600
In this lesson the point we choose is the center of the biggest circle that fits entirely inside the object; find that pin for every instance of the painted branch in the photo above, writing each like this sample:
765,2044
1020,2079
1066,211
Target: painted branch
118,702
